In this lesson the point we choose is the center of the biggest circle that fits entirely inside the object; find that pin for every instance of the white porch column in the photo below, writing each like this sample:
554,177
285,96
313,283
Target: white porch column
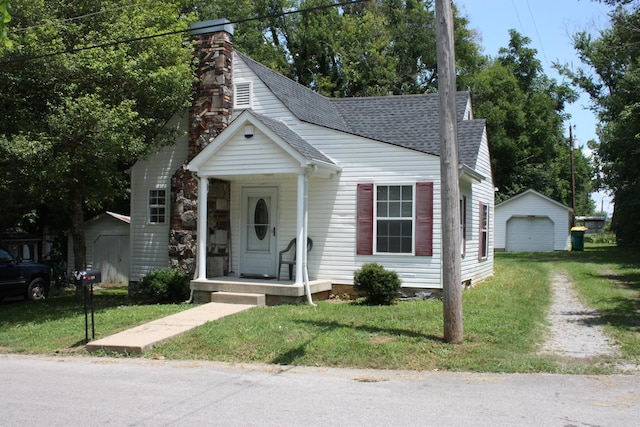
305,227
201,253
300,231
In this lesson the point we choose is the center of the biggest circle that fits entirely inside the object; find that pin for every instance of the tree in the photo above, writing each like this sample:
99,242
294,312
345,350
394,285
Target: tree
74,122
378,47
525,114
5,18
611,79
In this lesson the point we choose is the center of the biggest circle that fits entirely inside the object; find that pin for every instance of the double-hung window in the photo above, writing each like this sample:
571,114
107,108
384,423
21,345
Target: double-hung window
394,219
484,231
157,206
463,225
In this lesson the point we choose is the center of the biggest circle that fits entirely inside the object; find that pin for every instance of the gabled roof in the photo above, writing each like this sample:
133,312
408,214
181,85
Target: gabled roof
123,218
278,131
306,104
296,141
409,121
536,194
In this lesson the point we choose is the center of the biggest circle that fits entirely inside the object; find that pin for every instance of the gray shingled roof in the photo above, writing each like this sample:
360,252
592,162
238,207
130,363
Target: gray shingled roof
410,121
296,141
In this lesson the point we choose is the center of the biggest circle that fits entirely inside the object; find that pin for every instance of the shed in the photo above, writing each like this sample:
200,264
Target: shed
107,239
532,222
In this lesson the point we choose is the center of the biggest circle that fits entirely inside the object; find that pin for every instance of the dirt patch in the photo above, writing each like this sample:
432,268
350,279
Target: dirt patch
381,339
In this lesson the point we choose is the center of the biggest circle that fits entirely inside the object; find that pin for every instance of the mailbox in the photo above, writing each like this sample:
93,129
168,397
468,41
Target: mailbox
84,290
88,277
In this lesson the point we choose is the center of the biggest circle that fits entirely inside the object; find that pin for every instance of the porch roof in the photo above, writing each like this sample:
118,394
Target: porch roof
302,152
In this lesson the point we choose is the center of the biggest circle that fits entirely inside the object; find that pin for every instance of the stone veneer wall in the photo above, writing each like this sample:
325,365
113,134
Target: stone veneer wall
210,114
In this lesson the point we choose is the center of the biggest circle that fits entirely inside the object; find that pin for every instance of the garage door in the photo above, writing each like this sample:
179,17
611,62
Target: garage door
530,234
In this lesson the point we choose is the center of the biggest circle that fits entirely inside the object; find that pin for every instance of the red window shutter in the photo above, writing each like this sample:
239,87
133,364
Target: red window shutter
480,227
463,216
424,218
364,218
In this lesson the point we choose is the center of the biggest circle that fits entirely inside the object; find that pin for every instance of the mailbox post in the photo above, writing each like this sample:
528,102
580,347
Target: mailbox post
85,280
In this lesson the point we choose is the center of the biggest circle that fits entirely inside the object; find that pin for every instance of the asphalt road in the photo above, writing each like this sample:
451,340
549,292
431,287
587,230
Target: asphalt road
81,391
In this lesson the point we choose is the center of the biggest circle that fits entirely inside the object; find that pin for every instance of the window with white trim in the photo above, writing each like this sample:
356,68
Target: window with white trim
242,94
157,206
394,219
484,231
463,225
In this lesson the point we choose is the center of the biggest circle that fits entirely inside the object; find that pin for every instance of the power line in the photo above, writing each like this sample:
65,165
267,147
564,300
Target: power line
533,19
169,33
77,18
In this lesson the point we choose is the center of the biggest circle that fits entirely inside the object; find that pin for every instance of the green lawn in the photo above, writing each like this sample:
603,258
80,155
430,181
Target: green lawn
56,325
504,323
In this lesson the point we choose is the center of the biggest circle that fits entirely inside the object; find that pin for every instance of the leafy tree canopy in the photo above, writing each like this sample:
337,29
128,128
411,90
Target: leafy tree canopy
73,123
524,109
5,18
611,77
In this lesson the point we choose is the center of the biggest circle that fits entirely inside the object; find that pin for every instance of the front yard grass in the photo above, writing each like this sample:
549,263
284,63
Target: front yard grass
56,325
504,323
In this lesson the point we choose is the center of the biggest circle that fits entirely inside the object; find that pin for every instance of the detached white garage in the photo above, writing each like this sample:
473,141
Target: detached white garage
532,222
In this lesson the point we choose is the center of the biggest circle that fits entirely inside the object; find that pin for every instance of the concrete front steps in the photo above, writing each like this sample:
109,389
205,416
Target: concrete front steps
259,300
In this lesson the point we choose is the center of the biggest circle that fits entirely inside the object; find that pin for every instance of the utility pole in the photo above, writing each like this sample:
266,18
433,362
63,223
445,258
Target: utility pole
573,177
450,189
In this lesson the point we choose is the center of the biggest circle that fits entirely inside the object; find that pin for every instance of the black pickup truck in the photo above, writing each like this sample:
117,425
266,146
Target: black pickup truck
19,278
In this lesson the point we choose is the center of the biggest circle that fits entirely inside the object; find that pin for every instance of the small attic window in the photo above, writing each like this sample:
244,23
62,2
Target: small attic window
242,95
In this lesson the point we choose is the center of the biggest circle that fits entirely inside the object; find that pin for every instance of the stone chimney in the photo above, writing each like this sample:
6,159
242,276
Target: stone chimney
209,114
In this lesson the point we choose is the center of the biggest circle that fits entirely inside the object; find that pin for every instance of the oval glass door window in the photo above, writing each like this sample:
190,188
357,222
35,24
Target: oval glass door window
261,219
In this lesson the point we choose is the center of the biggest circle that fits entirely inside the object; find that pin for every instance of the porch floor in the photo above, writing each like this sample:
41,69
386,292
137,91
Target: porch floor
268,287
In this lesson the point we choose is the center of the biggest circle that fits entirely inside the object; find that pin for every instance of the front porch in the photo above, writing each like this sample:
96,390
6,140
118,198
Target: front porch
276,291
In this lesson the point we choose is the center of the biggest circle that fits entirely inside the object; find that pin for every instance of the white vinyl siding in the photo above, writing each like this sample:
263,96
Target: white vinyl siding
263,101
249,156
150,242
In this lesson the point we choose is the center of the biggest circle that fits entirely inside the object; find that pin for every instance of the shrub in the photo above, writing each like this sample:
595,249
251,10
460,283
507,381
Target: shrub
602,238
381,286
167,285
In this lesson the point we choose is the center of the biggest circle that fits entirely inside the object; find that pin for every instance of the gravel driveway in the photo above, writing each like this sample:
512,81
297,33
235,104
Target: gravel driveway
575,329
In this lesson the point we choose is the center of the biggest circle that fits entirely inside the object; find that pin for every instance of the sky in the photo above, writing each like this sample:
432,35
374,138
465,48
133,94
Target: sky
550,25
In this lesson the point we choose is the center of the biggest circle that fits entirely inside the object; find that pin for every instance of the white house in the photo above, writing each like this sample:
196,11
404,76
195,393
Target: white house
532,222
359,177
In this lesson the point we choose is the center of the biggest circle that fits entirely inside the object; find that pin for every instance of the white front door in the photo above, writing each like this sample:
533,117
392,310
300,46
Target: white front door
259,207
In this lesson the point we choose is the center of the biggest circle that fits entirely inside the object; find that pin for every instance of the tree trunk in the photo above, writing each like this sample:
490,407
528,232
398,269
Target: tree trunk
76,215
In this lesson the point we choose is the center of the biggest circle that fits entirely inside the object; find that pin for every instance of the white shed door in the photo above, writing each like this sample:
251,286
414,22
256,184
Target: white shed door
530,234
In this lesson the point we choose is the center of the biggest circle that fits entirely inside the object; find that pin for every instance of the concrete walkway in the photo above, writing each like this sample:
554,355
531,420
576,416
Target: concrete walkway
145,337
